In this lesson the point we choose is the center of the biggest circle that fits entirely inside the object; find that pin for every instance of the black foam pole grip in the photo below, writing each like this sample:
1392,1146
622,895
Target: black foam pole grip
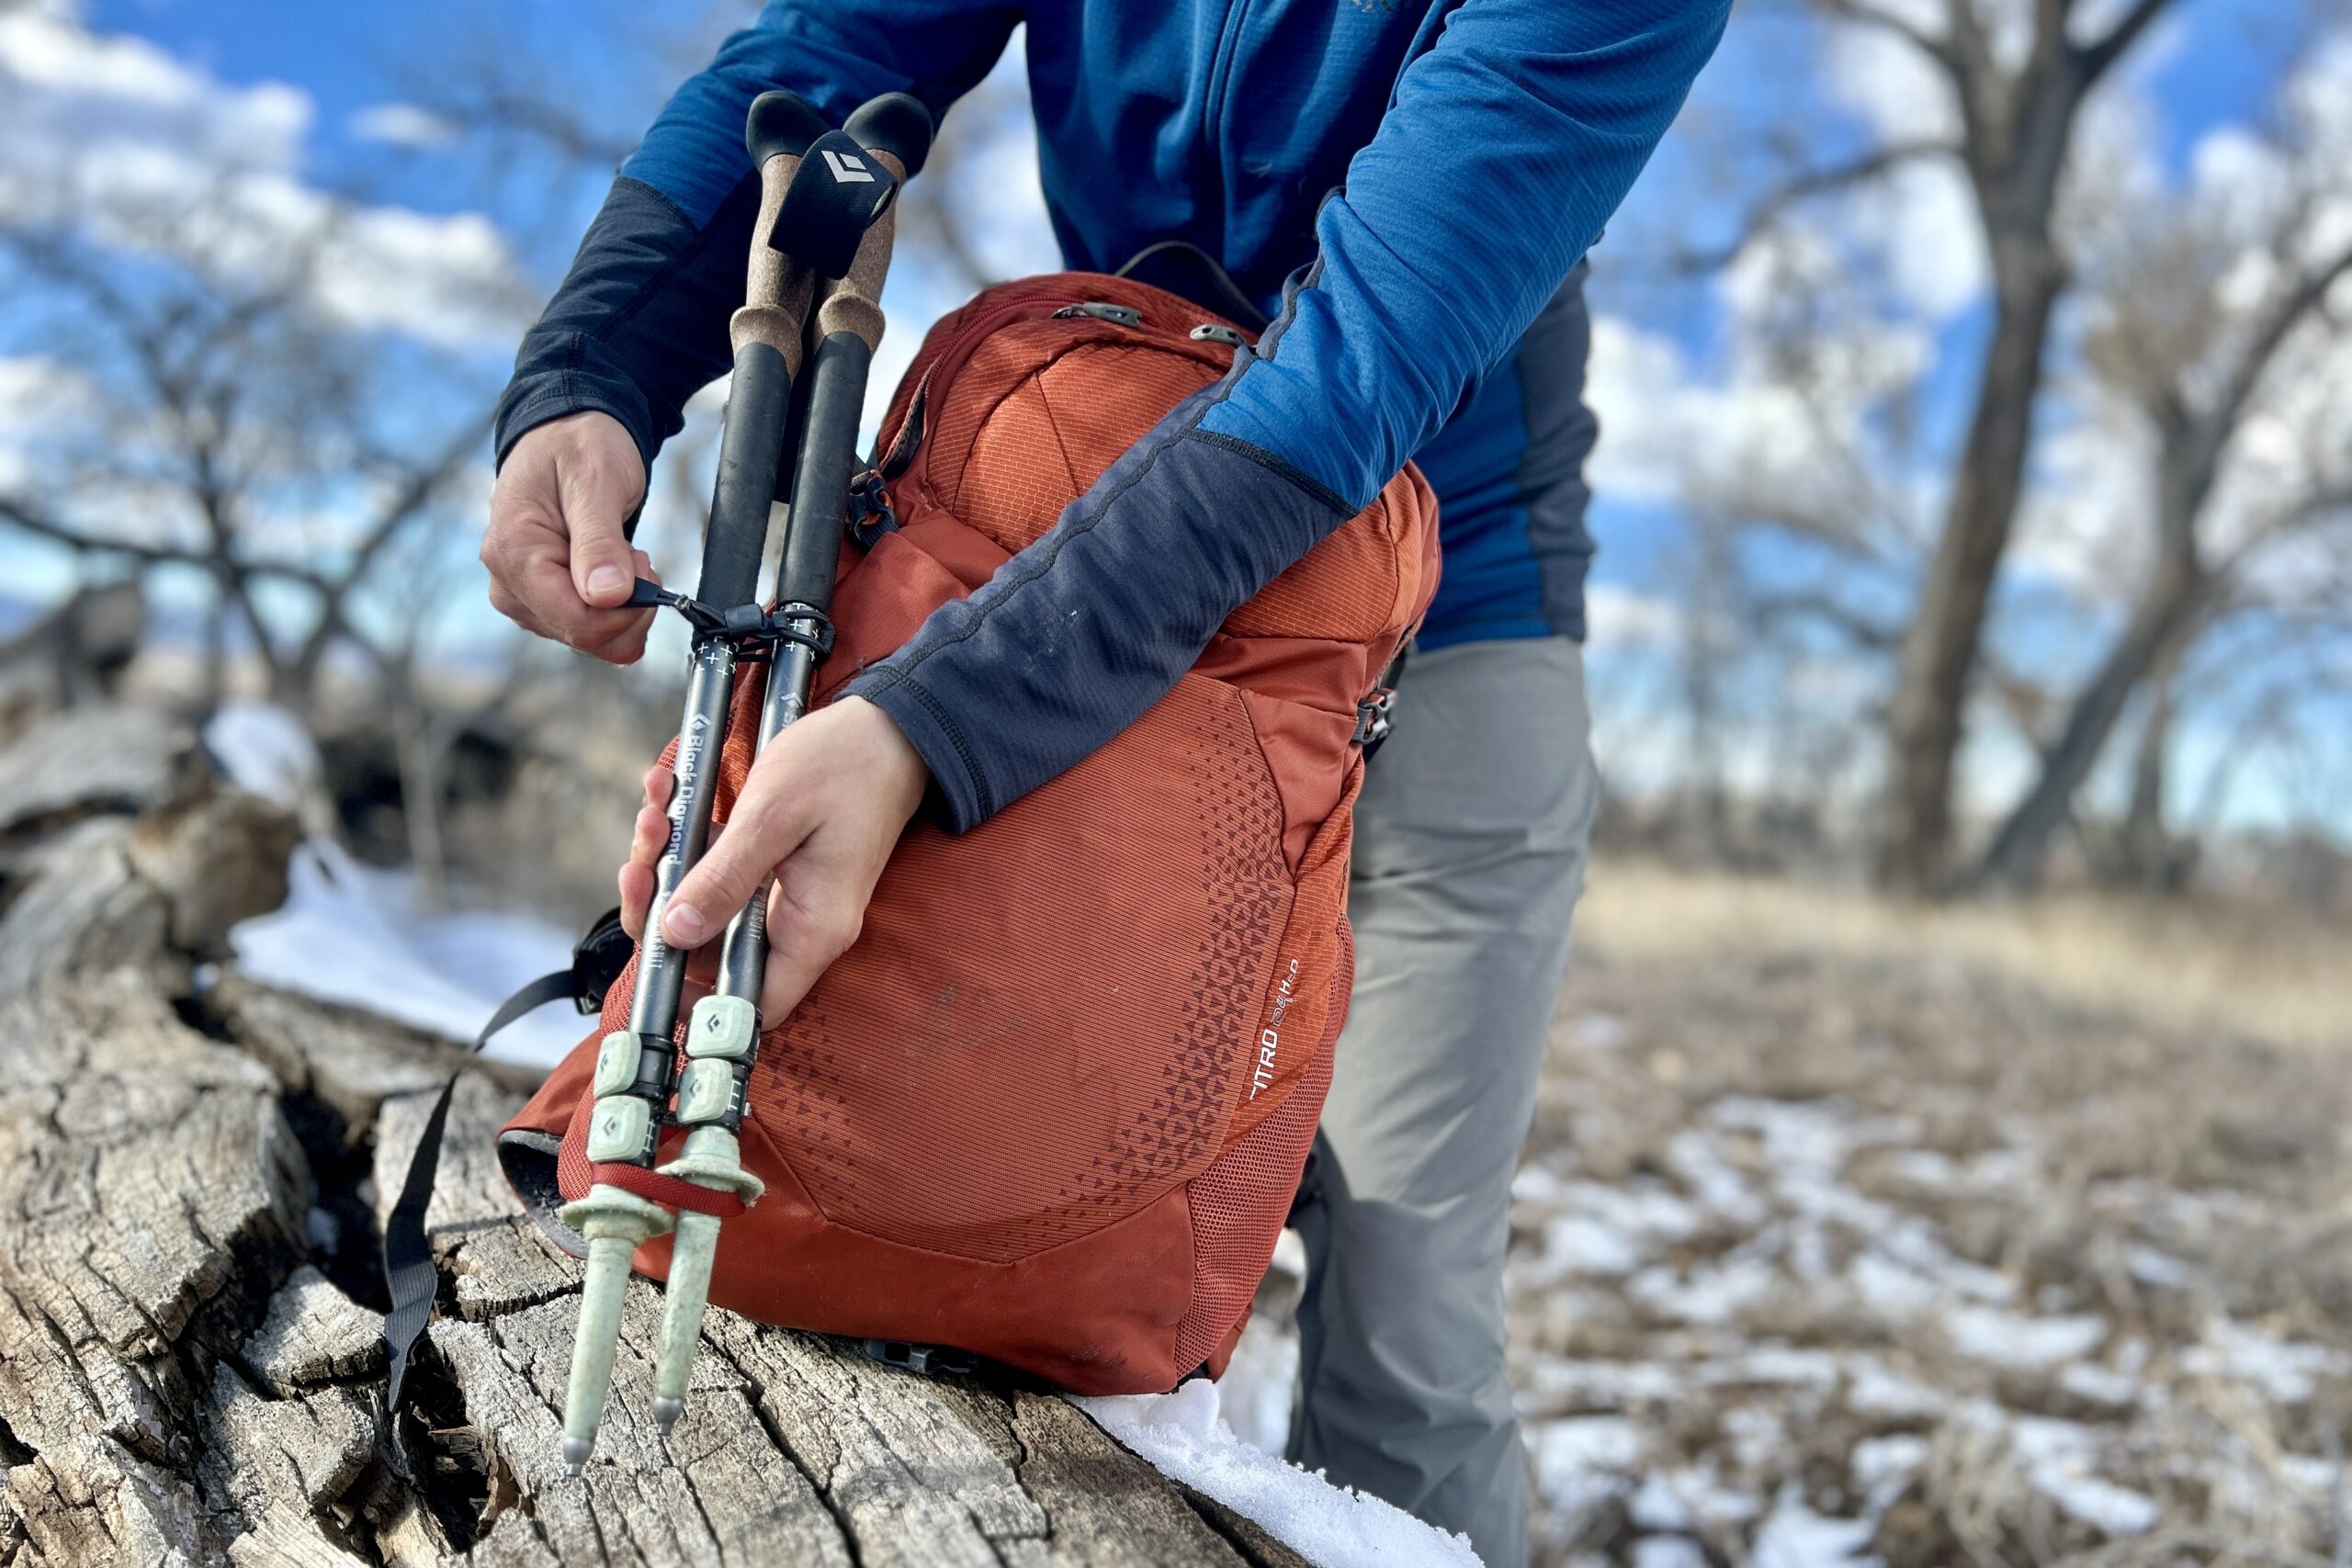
896,123
780,123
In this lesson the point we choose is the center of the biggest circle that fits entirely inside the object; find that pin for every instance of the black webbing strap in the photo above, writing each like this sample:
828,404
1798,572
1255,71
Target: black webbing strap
409,1276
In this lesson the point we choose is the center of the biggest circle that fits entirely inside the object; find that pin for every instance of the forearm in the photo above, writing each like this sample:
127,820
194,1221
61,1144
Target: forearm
1078,635
640,321
1508,147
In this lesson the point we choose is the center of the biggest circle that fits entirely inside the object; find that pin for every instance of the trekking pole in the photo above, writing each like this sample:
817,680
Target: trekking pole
893,132
634,1064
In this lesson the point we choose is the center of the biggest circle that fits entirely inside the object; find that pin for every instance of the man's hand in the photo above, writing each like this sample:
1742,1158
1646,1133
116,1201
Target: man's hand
821,811
559,564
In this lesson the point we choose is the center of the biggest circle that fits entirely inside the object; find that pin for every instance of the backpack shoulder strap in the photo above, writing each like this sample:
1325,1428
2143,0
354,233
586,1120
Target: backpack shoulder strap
410,1277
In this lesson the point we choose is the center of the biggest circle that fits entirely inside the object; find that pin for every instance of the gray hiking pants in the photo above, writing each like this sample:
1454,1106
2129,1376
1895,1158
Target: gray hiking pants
1471,840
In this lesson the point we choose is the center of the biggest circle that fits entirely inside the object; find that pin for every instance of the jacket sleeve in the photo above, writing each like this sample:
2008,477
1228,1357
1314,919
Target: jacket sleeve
1506,147
640,324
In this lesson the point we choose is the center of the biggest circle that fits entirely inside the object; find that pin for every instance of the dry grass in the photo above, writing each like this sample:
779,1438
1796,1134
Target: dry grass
2275,973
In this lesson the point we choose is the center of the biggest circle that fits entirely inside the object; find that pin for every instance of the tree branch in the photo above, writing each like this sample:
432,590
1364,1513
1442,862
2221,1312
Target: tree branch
21,514
2093,59
1860,14
1874,165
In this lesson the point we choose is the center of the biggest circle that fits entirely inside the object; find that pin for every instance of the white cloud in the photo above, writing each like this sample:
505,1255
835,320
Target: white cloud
148,155
1892,86
401,125
1621,617
1746,435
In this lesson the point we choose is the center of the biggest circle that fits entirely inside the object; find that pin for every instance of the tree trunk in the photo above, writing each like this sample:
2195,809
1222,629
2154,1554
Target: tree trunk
2161,621
191,1369
1925,722
2154,859
2014,860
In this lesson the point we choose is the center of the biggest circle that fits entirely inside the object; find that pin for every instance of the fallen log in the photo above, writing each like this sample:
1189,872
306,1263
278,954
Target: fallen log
194,1170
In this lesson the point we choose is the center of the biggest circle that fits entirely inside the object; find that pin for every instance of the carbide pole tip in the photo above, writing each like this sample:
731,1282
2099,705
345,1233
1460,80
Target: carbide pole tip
666,1413
575,1454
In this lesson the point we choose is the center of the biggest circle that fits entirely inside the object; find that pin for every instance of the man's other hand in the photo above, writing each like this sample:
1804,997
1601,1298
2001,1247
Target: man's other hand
559,564
821,811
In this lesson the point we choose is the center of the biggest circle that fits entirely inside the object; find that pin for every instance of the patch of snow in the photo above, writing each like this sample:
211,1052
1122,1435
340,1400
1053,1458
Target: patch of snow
1667,1551
1256,1390
353,934
1757,1436
1657,1505
1768,1365
1184,1437
266,752
1559,1380
2111,1509
1714,1180
1601,1030
1882,1467
2014,1339
2285,1370
1889,1290
2100,1385
2160,1270
2061,1458
1583,1461
1709,1295
1538,1185
1793,1536
1580,1244
1609,1231
1874,1390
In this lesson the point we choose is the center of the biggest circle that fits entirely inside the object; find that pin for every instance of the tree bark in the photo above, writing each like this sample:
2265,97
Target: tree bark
191,1367
2015,859
1925,722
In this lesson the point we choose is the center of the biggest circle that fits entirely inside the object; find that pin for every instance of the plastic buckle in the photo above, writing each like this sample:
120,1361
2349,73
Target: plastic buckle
597,961
870,514
781,625
932,1360
1372,718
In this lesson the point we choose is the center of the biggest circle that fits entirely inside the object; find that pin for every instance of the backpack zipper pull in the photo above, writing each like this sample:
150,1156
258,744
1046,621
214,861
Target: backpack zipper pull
1117,315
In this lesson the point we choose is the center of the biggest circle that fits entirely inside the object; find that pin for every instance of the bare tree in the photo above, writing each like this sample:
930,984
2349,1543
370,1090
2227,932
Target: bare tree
2018,73
231,419
2200,364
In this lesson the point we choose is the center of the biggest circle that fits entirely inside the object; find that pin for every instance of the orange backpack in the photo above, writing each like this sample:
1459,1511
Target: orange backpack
1052,1108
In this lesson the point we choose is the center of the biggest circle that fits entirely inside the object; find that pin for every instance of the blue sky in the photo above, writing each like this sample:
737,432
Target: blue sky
2215,62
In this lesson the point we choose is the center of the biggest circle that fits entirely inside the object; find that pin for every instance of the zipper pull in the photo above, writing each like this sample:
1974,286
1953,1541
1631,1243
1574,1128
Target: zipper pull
1210,332
1117,315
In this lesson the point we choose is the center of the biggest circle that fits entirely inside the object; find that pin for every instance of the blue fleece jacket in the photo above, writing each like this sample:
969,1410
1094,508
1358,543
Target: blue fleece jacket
1406,185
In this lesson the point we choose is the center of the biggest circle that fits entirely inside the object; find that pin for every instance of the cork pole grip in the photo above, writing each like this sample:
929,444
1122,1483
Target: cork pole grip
777,292
854,303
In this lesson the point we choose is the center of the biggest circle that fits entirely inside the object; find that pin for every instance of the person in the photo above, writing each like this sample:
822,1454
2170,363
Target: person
1407,188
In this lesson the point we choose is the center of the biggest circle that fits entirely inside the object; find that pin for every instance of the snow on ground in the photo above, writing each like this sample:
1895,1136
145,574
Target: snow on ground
1889,1324
353,934
1185,1436
364,937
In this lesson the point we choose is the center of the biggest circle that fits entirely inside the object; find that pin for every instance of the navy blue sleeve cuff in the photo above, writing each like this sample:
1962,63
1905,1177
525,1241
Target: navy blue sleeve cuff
1078,635
640,324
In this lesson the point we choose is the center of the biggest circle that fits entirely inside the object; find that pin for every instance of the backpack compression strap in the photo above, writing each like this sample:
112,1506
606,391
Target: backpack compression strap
408,1275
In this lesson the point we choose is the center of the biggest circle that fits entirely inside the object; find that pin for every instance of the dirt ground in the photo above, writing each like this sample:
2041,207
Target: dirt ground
2003,1236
